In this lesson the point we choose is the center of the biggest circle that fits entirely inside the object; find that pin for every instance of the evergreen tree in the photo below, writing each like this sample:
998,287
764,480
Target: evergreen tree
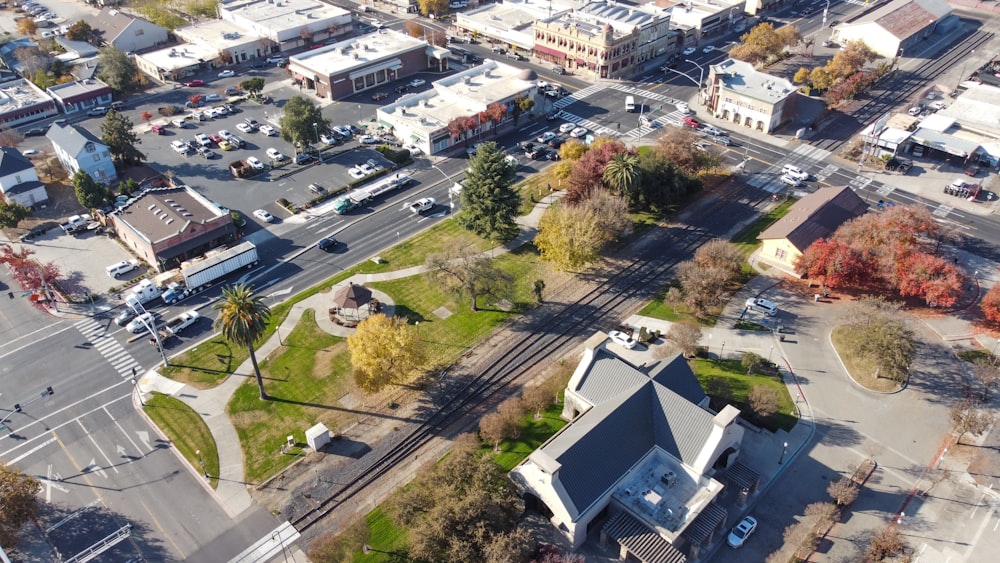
489,202
117,133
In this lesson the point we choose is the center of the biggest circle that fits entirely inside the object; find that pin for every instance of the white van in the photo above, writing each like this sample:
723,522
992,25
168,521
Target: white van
179,122
769,308
630,103
794,172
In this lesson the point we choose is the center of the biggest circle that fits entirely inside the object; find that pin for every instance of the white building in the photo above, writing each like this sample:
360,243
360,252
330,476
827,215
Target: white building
18,180
176,63
127,33
79,149
893,27
737,92
510,23
231,43
287,24
709,17
22,102
422,119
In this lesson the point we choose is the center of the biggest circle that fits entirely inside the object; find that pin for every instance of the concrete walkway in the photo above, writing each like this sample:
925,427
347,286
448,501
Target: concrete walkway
232,491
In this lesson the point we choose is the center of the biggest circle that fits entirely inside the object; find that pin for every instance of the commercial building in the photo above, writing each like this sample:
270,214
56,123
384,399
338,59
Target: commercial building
22,102
817,215
510,23
739,93
18,179
287,24
604,40
165,226
127,33
889,29
81,95
177,63
707,17
368,62
79,149
231,43
422,119
643,456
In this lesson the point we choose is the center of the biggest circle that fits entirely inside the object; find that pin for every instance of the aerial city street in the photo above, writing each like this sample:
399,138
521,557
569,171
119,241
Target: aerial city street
458,280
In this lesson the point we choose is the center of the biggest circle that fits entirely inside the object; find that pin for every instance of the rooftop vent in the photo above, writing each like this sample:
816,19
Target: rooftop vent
187,214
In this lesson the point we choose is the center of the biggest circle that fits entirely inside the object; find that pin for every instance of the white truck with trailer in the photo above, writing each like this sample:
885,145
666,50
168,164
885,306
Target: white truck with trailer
200,274
364,194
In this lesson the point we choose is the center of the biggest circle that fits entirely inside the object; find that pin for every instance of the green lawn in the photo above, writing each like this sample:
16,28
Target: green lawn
415,250
305,379
747,239
207,364
533,434
736,376
387,540
187,431
973,356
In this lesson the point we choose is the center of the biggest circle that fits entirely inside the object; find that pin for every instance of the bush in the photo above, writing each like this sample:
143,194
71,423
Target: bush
286,204
397,157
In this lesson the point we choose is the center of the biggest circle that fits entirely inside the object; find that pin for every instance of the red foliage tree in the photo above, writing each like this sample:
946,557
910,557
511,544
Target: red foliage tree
459,127
991,304
195,99
931,278
836,263
28,273
495,114
588,172
146,116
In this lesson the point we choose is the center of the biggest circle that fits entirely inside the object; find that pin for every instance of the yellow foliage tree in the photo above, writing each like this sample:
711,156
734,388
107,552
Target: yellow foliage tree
571,236
801,75
384,350
27,26
572,150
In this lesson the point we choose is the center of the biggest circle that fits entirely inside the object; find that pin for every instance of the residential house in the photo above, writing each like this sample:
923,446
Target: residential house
813,217
79,149
127,33
165,226
18,180
641,458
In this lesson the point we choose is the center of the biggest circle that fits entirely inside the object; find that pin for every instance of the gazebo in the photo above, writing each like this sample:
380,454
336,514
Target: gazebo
356,299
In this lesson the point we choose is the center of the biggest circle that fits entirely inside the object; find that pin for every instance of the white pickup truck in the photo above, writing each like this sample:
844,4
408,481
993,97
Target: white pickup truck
177,324
422,205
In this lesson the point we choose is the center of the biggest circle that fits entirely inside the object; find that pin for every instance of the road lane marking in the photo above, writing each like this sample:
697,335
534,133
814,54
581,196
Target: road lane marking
34,342
99,469
121,449
71,421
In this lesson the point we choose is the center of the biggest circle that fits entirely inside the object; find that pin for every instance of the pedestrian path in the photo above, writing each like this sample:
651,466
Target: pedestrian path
595,127
576,96
96,332
806,157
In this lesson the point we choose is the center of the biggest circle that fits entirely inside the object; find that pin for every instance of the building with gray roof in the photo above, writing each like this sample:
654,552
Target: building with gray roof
80,95
165,226
642,448
18,179
79,149
128,33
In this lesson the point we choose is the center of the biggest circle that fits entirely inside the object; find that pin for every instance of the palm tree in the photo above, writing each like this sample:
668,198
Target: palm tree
622,173
243,320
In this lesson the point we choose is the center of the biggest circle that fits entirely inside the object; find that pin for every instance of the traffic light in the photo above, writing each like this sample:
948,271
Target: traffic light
49,391
17,407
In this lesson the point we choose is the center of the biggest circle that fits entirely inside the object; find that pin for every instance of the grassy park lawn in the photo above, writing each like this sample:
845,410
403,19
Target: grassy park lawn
735,375
415,250
188,432
305,379
862,370
207,364
533,434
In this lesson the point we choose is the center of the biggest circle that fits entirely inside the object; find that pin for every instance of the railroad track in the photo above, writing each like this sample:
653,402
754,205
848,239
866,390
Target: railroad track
637,280
898,88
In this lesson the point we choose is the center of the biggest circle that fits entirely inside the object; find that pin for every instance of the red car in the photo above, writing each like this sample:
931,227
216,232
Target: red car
196,82
215,137
691,122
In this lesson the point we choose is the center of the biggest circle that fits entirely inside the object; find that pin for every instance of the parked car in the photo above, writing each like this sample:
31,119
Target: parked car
245,127
742,531
579,132
691,122
303,158
98,111
36,131
213,98
380,96
275,154
622,339
317,189
417,82
226,146
414,150
227,74
328,139
368,140
195,82
263,215
255,163
268,130
546,137
180,147
277,60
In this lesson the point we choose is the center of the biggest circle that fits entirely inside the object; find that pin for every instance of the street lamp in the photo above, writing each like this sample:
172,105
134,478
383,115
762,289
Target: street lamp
139,310
202,463
135,386
701,69
781,460
447,180
316,131
359,114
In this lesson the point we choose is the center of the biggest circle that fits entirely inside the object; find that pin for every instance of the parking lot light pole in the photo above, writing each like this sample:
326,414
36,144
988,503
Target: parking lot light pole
316,131
781,460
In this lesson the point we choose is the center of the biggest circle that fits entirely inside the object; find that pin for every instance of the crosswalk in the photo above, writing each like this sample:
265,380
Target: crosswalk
803,156
596,128
577,96
96,332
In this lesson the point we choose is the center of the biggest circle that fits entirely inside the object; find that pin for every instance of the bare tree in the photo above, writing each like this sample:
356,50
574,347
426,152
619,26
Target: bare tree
988,374
970,419
885,544
511,410
844,491
536,398
763,400
493,428
685,335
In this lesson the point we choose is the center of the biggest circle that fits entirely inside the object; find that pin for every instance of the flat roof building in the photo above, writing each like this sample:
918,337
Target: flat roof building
368,62
422,119
510,23
176,63
22,102
707,17
287,24
80,95
232,43
739,93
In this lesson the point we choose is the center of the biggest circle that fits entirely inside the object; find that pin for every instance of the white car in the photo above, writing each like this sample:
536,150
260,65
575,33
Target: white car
203,140
708,49
31,152
742,532
795,172
579,132
225,134
328,139
791,181
213,98
414,150
366,168
263,215
268,130
417,82
245,127
422,205
938,105
277,60
180,147
221,110
226,74
688,51
275,154
139,323
368,140
546,137
356,173
567,127
374,164
683,108
255,163
620,338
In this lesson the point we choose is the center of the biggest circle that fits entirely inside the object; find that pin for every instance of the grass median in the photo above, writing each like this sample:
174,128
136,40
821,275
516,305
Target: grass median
187,432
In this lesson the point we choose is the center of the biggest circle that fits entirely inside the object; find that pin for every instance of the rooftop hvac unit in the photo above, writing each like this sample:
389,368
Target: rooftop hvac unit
355,56
669,478
486,73
467,79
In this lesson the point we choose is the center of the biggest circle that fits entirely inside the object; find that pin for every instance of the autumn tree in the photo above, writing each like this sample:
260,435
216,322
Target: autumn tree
32,60
801,76
677,146
195,99
875,331
987,372
493,428
706,278
854,55
843,491
455,509
384,351
28,273
469,274
18,503
990,304
763,43
146,116
414,29
969,417
588,172
536,398
935,280
885,544
117,133
512,409
436,7
82,31
26,26
685,335
489,202
459,127
494,115
522,104
572,236
835,264
509,547
762,400
117,69
12,213
572,149
10,137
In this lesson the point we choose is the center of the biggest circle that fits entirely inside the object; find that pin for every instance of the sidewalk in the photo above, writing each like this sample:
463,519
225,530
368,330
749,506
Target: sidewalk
211,404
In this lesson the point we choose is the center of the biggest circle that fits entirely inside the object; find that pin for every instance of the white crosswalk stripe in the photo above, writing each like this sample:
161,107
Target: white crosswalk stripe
119,358
595,128
942,210
578,95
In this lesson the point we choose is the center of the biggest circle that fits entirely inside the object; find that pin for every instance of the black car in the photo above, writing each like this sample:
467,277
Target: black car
380,96
328,243
35,131
400,89
257,64
556,143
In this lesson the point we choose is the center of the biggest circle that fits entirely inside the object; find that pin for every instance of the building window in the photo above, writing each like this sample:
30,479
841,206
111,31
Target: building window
380,76
359,84
369,80
97,158
89,147
780,254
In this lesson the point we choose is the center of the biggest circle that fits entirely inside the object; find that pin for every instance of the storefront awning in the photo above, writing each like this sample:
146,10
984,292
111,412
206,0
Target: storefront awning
396,67
581,62
385,65
549,51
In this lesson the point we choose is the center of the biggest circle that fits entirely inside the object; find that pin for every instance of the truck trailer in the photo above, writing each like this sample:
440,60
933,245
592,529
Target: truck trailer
202,273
